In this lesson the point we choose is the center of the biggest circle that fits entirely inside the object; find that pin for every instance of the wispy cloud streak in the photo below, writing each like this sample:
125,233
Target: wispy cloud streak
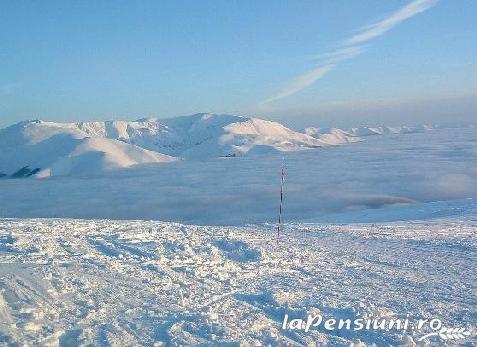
301,82
341,54
352,47
381,27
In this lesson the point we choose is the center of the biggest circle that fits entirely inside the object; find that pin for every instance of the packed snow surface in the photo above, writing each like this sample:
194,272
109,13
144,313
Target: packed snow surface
112,283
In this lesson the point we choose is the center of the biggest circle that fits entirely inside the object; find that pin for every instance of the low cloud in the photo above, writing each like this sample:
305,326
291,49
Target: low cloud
403,171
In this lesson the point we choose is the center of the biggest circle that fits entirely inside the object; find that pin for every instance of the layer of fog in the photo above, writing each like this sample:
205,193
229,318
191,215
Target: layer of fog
383,171
450,111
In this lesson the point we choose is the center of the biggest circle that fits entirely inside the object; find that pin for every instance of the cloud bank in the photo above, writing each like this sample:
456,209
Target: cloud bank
351,47
382,171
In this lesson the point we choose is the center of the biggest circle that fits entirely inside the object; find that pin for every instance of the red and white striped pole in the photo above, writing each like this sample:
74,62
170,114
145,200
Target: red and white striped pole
282,181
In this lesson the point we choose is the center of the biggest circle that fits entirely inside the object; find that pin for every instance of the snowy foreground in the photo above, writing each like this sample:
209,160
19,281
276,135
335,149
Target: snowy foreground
80,282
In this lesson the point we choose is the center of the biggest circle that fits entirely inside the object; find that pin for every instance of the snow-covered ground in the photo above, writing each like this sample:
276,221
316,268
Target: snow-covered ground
130,283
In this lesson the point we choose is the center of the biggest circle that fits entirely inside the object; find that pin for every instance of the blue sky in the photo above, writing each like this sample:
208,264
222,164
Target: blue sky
384,61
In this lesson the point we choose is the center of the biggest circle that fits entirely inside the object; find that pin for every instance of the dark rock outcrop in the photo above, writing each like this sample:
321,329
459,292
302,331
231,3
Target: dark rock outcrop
25,172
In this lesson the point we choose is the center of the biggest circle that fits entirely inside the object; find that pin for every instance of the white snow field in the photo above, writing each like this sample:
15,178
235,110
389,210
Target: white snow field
128,283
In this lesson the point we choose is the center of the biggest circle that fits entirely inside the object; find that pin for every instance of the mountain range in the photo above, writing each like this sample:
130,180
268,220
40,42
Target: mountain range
43,149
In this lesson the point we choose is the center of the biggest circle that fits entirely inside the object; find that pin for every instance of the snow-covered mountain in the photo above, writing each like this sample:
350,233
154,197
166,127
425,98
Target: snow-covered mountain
61,149
332,135
56,149
382,130
205,135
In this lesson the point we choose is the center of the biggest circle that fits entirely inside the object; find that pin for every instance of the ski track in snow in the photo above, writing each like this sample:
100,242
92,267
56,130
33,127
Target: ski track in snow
127,283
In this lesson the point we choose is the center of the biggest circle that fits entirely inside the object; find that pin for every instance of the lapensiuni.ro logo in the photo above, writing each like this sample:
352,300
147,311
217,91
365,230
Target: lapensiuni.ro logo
424,328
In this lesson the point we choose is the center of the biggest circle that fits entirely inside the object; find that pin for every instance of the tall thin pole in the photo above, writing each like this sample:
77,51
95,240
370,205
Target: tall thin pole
282,181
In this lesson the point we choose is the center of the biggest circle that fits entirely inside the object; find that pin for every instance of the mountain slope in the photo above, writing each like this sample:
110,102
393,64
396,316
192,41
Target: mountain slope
93,155
64,149
332,135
